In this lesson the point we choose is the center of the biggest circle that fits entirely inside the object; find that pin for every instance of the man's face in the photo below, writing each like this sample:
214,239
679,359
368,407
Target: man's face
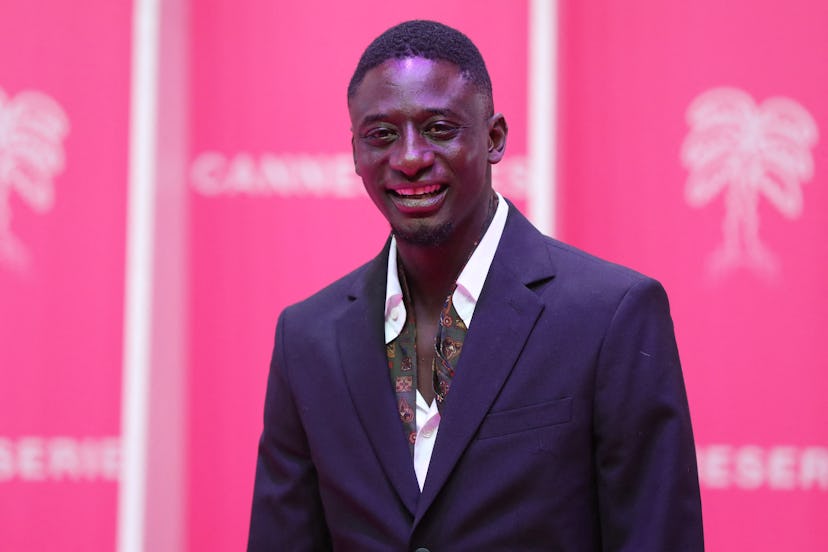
423,140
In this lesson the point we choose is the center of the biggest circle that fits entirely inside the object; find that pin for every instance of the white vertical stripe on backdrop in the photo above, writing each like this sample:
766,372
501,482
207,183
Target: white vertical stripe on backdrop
138,277
542,114
166,435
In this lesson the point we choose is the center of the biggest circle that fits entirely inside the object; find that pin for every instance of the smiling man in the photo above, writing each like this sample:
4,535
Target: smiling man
477,386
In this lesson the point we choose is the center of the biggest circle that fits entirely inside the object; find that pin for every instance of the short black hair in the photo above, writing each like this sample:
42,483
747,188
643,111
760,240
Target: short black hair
429,40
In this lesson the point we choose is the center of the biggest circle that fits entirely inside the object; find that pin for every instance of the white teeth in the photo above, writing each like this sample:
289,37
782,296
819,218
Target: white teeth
420,190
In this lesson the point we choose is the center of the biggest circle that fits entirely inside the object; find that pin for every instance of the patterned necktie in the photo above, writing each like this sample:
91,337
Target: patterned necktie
402,361
402,366
447,347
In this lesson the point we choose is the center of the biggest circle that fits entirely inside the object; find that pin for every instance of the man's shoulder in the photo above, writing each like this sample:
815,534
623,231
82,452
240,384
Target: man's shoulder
591,289
575,262
568,262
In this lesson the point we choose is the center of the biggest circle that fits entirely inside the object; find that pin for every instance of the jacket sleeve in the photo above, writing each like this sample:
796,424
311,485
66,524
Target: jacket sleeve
287,511
648,491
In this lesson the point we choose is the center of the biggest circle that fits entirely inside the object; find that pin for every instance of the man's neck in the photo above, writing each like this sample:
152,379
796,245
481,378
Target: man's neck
432,270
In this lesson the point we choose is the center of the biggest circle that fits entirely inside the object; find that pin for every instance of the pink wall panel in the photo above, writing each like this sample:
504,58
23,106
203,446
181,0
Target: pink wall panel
276,209
751,322
64,84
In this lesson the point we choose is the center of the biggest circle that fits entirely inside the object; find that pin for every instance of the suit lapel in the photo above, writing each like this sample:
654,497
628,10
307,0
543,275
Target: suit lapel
361,344
504,318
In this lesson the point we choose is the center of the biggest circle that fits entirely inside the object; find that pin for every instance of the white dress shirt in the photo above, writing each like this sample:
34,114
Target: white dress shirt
469,285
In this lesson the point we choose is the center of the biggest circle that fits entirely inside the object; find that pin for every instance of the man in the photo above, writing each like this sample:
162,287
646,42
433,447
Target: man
477,386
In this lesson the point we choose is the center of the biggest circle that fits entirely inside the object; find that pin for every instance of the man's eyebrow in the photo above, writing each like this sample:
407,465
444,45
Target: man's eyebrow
376,117
443,111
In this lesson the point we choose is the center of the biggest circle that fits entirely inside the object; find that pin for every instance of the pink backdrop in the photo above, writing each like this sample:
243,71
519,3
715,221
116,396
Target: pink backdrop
751,333
275,212
64,86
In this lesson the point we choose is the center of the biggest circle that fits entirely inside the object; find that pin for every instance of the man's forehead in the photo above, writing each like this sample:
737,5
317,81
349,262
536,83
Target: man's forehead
414,74
420,66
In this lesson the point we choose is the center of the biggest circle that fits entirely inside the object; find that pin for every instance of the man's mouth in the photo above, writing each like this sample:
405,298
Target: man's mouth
419,199
418,192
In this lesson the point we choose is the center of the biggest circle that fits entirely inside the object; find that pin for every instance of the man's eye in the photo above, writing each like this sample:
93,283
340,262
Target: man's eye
441,131
380,135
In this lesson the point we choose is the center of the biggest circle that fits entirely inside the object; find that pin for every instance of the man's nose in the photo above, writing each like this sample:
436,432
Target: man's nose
411,153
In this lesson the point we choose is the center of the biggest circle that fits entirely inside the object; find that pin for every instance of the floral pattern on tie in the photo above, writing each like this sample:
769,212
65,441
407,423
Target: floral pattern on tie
402,360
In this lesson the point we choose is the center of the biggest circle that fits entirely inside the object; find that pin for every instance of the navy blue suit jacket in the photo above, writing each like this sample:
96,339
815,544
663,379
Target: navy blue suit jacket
567,426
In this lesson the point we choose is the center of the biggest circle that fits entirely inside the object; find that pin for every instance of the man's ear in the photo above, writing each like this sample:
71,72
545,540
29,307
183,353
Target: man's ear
498,129
353,153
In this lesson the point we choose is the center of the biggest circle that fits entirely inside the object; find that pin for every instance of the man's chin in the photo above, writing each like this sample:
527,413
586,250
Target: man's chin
424,235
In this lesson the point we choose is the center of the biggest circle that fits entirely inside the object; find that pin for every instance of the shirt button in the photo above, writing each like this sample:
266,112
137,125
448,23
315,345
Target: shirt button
427,433
395,314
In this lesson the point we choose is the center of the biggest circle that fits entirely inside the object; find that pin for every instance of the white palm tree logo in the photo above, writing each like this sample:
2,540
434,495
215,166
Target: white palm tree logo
746,151
32,127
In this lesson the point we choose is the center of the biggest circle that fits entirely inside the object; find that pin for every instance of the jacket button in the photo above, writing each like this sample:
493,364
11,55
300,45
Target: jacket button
422,550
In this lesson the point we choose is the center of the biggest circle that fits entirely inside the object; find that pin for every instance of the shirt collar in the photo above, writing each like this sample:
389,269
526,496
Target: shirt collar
469,283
